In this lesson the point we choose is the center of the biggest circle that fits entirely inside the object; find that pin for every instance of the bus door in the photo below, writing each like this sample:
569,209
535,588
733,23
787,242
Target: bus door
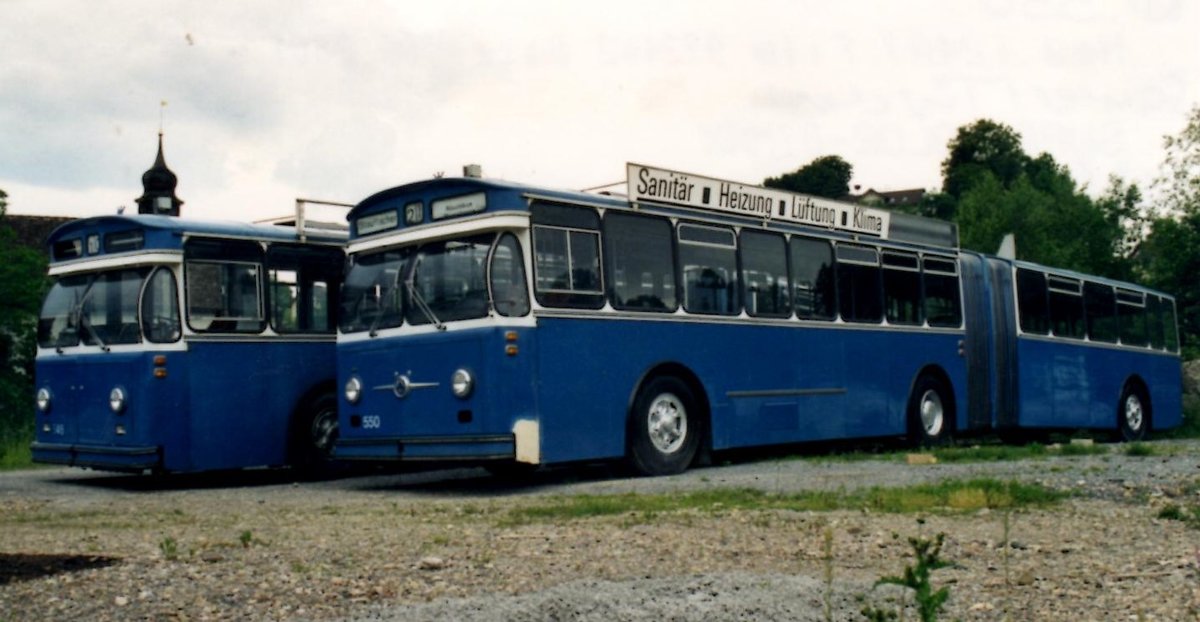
1004,342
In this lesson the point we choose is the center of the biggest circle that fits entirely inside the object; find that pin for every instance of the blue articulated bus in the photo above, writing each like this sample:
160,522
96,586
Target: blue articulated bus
489,321
174,345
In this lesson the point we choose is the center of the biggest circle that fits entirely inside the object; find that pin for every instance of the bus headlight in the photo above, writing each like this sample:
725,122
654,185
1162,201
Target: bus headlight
43,400
116,400
462,383
353,389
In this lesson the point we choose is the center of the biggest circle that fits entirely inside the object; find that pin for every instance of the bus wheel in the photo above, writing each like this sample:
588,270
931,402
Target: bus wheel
1133,413
314,434
664,431
929,413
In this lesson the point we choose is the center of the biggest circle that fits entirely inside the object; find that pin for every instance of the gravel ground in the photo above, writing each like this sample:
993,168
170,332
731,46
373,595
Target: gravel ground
445,545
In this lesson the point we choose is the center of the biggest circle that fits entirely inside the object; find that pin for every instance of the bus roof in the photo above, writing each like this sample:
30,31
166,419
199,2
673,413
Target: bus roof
438,199
99,235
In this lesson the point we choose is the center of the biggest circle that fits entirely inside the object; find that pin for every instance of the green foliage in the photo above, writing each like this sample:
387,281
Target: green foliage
916,577
1180,181
169,548
1190,516
982,148
946,496
22,283
826,176
1169,260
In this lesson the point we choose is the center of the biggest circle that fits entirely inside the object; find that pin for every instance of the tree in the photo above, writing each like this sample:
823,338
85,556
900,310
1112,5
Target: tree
1180,182
984,146
22,281
826,176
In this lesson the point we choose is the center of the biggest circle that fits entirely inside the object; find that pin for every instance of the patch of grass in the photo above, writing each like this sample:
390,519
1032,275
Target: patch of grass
948,496
14,449
1082,450
1140,450
169,549
1187,515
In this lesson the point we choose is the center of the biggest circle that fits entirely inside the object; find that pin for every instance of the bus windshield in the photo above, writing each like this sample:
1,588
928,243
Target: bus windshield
99,309
429,283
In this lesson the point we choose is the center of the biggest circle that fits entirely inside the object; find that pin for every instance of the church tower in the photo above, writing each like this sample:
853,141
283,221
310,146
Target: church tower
158,188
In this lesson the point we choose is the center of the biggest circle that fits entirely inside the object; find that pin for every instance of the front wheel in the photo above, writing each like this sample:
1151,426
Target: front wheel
664,428
314,432
1133,413
930,412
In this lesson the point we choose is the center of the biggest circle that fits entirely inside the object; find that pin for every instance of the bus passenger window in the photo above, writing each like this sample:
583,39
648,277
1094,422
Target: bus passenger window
860,292
943,307
1170,330
901,288
1066,307
1154,321
1131,307
510,296
1031,302
1100,305
299,289
811,263
708,259
641,266
160,308
566,256
764,274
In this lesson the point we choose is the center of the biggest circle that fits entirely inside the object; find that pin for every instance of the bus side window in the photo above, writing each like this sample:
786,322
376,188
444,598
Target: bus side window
566,256
813,287
860,292
160,308
765,274
943,307
1066,307
1100,305
641,264
510,295
223,286
708,259
1131,307
1154,321
1031,302
1170,329
302,283
901,288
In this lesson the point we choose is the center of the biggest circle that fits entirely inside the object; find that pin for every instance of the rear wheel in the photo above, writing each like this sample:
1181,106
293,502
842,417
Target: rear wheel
314,432
664,427
1133,413
930,412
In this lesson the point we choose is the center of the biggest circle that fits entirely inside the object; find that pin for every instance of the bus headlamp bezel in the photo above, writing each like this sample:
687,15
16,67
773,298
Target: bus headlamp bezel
462,383
352,390
116,400
43,400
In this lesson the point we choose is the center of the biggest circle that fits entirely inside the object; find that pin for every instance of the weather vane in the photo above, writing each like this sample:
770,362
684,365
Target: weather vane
162,106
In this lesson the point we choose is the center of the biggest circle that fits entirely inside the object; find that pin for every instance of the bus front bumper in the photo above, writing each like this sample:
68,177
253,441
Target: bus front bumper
447,448
98,456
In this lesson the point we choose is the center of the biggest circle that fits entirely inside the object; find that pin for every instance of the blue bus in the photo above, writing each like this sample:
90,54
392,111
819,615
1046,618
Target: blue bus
174,345
507,324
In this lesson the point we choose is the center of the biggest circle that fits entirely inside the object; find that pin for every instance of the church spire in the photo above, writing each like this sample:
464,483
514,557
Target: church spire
158,185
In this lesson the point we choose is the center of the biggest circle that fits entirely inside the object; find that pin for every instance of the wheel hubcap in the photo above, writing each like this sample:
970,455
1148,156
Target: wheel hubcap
1133,413
667,423
933,414
324,431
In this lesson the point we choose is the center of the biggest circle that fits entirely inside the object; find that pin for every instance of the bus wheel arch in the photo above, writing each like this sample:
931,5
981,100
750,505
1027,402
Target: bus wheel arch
314,428
931,411
668,423
1134,410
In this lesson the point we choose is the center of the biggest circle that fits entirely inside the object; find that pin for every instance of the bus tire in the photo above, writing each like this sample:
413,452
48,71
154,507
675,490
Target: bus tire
1133,412
930,412
665,427
315,430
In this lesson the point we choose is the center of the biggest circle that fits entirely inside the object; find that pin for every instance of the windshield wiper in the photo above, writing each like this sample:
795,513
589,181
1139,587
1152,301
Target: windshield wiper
415,295
84,321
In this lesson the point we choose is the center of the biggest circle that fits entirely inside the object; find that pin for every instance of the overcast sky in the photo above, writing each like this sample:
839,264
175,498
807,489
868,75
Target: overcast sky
267,101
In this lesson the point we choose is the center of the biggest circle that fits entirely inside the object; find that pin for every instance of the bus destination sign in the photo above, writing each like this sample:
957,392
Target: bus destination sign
647,183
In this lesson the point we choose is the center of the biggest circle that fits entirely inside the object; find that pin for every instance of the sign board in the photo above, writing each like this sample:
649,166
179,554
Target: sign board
647,183
459,206
377,222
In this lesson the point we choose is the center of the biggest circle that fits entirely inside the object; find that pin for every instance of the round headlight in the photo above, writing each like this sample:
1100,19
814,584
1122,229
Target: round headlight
353,390
462,383
116,399
43,399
